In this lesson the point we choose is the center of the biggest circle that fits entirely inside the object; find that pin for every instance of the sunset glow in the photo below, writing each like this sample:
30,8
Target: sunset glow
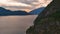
27,5
10,3
3,1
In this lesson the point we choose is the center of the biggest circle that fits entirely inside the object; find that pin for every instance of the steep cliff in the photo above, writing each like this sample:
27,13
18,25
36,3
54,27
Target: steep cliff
48,21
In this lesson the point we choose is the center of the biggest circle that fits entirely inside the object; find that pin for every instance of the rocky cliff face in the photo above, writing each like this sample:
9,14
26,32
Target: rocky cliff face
48,21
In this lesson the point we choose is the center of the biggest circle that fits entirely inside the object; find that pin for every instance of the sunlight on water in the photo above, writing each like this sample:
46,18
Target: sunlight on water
15,24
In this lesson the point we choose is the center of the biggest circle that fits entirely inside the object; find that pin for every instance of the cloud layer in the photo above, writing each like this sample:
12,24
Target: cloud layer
26,5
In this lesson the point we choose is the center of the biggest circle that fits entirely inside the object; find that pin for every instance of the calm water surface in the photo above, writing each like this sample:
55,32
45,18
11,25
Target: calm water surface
15,24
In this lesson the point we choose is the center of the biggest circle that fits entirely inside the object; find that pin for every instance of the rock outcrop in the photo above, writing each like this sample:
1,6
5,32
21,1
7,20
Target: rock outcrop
48,21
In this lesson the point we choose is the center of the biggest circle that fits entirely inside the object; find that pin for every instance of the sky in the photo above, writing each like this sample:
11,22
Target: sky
25,5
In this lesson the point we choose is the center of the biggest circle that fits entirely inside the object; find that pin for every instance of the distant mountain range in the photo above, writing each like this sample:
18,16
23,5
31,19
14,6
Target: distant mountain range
4,12
37,11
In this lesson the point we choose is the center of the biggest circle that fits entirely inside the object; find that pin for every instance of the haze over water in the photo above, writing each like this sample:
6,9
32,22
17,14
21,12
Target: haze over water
15,24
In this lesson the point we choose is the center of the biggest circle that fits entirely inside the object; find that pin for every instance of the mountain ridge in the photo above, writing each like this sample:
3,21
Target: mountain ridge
4,11
37,11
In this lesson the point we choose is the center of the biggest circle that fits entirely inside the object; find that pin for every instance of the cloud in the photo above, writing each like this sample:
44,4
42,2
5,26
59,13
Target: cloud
26,1
12,3
26,5
16,7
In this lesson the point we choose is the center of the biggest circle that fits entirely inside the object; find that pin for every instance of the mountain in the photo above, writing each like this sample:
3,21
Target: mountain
36,11
4,11
48,21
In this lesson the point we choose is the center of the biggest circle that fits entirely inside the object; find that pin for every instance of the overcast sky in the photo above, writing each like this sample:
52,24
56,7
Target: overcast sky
26,5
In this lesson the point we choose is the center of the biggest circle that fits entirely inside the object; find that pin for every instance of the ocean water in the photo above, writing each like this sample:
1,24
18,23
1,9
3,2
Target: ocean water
16,24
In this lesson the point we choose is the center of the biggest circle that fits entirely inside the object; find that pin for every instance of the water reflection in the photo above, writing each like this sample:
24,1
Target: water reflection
15,24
